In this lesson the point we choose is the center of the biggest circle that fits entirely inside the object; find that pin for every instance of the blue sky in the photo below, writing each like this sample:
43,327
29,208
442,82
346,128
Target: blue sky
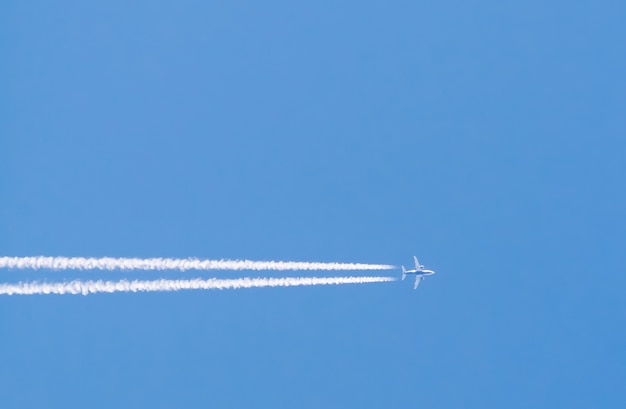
486,138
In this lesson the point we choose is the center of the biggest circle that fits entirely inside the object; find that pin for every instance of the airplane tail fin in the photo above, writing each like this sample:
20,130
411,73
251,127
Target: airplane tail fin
403,272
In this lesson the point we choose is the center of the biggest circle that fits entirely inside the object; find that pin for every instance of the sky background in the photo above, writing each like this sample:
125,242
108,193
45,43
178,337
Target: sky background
488,139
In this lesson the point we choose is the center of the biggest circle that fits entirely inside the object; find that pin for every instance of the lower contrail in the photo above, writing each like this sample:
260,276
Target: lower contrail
92,287
108,263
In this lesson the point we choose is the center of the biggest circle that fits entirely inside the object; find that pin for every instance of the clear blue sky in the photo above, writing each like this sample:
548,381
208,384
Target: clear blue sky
489,139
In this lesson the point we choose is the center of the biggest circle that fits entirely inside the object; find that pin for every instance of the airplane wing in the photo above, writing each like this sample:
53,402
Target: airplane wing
418,280
418,267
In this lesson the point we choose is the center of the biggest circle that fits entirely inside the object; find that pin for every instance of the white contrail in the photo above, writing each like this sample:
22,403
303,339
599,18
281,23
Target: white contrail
109,263
91,287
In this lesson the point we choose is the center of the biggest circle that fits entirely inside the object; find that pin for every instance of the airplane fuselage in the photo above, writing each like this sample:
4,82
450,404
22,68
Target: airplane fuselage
420,272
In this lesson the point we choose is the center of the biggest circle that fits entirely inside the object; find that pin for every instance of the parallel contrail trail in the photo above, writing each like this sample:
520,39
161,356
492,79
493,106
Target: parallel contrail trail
109,263
92,287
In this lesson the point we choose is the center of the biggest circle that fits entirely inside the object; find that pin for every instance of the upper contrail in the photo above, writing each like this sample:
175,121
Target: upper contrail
109,263
91,287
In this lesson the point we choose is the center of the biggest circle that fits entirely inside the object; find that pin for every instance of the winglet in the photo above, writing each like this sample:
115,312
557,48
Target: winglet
403,273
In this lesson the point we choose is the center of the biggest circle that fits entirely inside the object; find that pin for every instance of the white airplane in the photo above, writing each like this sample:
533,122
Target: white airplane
419,272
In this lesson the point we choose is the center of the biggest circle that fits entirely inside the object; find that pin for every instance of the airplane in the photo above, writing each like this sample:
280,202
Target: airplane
419,272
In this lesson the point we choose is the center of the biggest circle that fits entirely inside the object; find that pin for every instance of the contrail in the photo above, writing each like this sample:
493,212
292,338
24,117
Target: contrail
109,263
92,287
